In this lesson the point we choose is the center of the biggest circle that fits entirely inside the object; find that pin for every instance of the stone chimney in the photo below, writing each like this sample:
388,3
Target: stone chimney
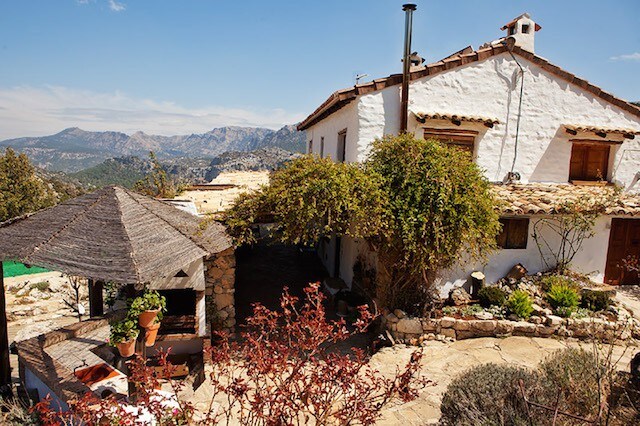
523,30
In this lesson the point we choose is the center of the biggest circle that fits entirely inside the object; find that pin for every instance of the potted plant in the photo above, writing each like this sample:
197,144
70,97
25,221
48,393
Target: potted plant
123,336
151,333
148,308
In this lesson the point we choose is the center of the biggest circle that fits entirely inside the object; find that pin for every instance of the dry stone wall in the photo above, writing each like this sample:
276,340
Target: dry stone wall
415,331
220,290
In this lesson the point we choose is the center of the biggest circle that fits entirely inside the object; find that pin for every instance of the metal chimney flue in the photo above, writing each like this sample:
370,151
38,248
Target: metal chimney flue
406,64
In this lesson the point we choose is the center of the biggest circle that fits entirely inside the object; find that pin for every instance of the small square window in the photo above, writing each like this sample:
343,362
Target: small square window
525,28
514,234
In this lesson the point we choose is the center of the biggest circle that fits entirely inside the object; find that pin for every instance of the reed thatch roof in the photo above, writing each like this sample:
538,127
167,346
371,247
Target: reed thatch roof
114,235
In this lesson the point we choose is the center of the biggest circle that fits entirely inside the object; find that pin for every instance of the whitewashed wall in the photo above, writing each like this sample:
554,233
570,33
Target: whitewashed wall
491,89
590,260
345,118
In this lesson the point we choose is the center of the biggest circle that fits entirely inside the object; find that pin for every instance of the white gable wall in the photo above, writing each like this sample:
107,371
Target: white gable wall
345,118
491,89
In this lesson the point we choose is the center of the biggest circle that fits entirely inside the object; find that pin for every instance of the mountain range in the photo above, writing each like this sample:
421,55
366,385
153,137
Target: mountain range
74,149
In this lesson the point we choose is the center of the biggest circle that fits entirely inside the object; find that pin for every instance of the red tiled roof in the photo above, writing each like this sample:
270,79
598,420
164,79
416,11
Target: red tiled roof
342,97
541,198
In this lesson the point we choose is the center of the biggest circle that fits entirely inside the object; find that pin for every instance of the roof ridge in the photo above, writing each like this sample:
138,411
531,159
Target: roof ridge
116,190
66,225
161,218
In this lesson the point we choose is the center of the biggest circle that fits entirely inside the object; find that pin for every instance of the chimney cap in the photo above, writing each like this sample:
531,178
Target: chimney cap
408,6
516,19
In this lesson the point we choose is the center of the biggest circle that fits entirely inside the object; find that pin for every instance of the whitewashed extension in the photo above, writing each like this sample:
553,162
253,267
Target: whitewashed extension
539,132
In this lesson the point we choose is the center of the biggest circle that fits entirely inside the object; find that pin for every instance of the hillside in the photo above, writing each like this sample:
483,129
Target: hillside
261,159
74,149
126,171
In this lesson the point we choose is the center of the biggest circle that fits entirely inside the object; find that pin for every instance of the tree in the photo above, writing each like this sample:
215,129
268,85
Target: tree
156,183
21,191
312,198
559,237
419,204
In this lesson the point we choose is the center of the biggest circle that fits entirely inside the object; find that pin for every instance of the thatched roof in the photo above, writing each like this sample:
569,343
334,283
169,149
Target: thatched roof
114,235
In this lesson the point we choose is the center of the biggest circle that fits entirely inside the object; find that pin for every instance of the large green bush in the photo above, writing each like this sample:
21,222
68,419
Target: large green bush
563,299
520,304
492,296
419,204
487,395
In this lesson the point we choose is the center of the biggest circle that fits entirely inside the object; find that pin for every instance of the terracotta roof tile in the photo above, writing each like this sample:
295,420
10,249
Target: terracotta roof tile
540,198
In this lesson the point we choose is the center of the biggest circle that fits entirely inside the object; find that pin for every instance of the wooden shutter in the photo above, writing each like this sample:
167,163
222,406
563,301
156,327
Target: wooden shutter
460,138
589,162
515,233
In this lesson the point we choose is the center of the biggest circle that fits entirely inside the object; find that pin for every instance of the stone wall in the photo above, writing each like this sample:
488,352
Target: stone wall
415,331
220,275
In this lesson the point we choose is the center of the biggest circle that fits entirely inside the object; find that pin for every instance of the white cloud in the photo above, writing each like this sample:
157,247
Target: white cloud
116,7
34,111
630,57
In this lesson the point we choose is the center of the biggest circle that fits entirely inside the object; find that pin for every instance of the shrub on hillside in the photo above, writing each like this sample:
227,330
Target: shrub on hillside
492,296
563,299
580,377
573,381
487,394
596,300
520,304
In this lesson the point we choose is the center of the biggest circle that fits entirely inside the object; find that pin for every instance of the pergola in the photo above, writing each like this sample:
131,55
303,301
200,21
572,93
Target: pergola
111,234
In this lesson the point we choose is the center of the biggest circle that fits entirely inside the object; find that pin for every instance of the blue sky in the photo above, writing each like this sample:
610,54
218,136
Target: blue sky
169,66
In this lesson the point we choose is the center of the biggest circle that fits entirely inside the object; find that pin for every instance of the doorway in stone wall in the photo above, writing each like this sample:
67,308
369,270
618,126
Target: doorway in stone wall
264,270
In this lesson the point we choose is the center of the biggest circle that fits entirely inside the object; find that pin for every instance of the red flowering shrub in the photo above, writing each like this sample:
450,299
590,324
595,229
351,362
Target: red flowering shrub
284,369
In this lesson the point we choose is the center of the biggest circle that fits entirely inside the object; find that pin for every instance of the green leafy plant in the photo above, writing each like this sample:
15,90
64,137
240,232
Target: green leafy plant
520,304
450,310
596,300
123,331
150,300
563,299
492,296
415,202
470,310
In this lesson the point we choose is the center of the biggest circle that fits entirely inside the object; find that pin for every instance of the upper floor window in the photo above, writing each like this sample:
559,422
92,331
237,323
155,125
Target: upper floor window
589,162
322,147
342,146
514,234
311,146
459,138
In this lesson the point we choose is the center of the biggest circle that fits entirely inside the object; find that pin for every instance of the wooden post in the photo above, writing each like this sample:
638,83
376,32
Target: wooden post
96,302
5,366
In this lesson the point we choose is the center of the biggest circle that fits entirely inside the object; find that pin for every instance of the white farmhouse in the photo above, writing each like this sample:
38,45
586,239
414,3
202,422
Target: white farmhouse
540,133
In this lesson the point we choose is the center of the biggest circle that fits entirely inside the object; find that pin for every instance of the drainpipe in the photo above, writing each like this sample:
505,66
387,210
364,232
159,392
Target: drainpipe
406,65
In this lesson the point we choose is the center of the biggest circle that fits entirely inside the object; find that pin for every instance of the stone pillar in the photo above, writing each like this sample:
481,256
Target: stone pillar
220,274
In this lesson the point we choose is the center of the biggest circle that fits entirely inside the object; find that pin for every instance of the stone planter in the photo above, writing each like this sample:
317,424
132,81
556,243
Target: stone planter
150,334
127,349
147,318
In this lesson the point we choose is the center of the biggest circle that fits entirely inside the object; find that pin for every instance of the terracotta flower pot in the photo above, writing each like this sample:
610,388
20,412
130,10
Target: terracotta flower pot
150,334
146,318
127,349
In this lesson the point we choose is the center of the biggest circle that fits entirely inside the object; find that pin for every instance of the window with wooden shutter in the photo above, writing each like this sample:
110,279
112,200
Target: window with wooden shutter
514,234
459,138
589,162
